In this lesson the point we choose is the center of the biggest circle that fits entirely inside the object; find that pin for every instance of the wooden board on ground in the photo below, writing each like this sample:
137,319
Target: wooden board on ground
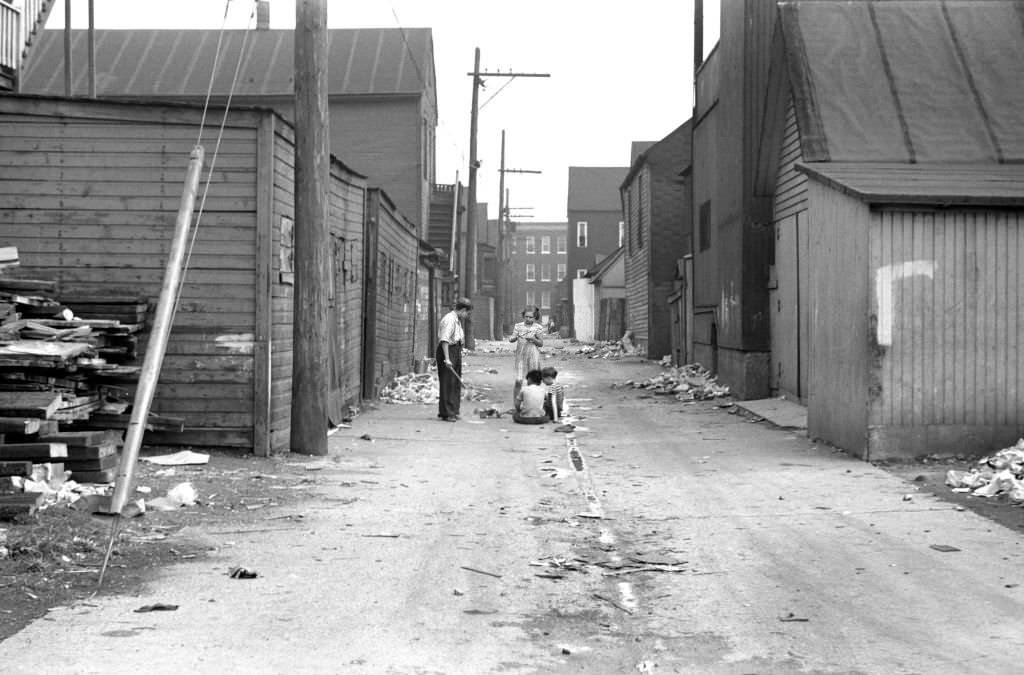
86,438
24,503
105,476
76,466
40,405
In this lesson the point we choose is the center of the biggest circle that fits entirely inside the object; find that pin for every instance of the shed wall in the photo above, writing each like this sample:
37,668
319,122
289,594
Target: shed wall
638,257
92,204
946,294
837,407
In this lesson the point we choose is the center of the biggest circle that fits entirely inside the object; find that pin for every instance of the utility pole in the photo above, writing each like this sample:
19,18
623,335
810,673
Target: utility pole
503,271
470,283
310,353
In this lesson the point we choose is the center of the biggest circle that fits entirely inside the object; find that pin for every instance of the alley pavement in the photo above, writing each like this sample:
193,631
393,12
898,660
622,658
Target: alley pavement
659,536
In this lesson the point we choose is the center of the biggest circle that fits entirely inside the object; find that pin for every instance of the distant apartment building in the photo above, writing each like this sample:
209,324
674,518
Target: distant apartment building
538,262
595,227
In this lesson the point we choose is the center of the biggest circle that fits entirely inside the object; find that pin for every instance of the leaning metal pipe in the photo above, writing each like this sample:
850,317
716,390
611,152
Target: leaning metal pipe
158,335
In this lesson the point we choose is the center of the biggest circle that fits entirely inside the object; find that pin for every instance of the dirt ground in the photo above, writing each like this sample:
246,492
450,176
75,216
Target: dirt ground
56,555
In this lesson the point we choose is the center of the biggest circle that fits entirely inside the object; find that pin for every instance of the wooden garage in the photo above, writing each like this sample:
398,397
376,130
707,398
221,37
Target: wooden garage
89,195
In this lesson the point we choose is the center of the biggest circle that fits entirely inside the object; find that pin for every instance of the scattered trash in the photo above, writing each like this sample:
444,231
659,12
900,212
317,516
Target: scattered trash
183,458
156,607
456,591
691,382
182,494
472,569
944,548
381,536
366,437
479,611
242,573
422,388
793,617
646,666
908,498
611,602
484,413
565,428
1000,475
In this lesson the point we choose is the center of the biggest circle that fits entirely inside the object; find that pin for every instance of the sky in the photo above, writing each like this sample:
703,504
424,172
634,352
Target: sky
620,72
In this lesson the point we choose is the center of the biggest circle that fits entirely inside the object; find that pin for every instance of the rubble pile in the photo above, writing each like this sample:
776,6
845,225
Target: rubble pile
1001,475
691,382
411,388
604,350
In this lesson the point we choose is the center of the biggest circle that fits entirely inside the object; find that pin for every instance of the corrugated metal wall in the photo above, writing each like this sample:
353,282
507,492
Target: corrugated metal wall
947,291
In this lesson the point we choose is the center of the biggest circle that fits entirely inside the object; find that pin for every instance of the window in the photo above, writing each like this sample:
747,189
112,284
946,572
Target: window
561,245
515,244
530,246
581,234
545,271
545,299
545,245
580,274
531,272
531,298
704,227
561,271
622,232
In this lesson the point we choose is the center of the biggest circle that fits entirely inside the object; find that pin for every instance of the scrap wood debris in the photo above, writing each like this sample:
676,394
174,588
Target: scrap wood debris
423,388
691,382
1001,475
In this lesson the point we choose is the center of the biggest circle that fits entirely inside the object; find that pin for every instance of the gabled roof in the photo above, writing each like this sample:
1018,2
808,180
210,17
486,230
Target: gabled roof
670,155
932,184
177,63
907,81
595,188
638,147
602,268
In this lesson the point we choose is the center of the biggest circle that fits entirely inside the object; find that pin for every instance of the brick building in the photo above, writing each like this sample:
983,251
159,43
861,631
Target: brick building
538,267
595,226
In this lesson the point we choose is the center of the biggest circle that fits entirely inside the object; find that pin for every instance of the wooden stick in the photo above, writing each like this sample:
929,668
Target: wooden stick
471,569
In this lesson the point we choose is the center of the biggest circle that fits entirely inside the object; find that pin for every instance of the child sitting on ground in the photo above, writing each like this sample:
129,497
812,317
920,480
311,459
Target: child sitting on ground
555,397
530,403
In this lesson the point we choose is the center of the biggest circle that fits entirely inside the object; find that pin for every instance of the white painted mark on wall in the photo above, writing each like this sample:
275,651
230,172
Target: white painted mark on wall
236,343
885,278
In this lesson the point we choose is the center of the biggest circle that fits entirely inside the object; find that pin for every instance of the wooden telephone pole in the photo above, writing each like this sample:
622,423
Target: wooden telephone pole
502,305
469,283
310,352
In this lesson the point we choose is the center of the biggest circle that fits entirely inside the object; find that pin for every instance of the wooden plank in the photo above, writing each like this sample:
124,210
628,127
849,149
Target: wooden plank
20,425
77,439
33,451
105,476
108,461
24,503
15,468
29,404
265,220
236,437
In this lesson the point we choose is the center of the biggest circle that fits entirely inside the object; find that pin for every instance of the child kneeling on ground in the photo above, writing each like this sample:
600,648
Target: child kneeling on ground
530,403
555,397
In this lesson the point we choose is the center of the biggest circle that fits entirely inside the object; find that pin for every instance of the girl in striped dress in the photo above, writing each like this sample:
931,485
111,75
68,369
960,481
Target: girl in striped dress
528,336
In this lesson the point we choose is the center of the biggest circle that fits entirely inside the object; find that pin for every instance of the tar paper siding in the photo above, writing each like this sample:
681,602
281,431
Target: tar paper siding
637,200
946,295
837,408
788,286
392,264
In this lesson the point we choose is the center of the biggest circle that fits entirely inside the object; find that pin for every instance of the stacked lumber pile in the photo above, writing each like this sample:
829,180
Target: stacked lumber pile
67,377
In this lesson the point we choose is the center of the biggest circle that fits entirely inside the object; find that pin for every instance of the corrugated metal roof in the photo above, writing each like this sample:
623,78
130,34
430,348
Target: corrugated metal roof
595,188
963,184
907,81
178,63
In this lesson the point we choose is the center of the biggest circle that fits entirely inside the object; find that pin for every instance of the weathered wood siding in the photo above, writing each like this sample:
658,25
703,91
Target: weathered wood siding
637,201
946,296
89,195
392,316
344,279
837,406
788,296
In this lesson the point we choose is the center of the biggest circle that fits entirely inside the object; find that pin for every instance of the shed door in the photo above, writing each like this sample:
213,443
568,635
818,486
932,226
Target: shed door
788,301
